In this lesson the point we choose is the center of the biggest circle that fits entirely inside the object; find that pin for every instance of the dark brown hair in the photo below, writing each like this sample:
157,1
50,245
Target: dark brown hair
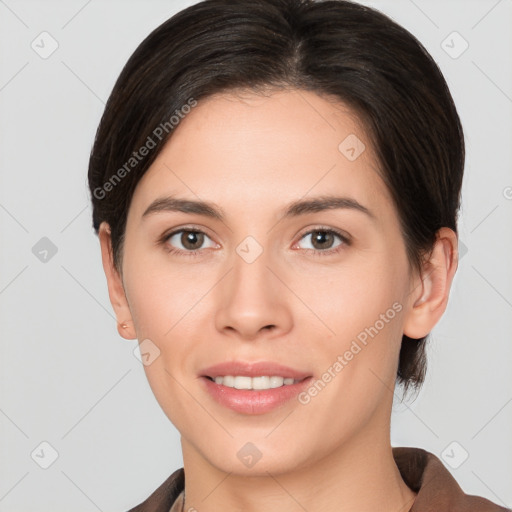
336,48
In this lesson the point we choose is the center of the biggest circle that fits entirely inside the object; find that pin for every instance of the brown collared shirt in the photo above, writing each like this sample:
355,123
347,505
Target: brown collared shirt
423,472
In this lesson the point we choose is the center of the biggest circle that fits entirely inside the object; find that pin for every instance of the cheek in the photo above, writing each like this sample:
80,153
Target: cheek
351,297
357,323
161,294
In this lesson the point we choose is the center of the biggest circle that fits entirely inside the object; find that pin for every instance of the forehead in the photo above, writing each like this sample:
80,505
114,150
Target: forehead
259,150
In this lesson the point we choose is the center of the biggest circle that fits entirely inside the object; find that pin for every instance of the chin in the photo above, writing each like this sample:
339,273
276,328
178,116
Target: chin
255,459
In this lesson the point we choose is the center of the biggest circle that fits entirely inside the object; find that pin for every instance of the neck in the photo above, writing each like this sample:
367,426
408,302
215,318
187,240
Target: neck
359,476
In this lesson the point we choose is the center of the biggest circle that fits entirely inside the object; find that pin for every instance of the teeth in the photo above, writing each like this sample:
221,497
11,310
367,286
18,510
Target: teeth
263,382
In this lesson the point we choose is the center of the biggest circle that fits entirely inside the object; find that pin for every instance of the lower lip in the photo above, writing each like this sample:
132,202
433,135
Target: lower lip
247,401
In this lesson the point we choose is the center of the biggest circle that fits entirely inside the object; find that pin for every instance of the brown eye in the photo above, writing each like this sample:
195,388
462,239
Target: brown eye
188,240
192,240
324,240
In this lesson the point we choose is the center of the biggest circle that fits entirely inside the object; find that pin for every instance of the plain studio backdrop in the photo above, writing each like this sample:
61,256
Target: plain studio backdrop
80,428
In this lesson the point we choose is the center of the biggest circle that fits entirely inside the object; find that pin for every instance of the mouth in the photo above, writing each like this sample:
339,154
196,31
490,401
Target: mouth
253,388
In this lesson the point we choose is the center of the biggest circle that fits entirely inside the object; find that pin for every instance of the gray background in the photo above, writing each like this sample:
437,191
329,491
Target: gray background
69,380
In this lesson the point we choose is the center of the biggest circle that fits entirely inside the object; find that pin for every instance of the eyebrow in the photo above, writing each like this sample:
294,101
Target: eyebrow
294,209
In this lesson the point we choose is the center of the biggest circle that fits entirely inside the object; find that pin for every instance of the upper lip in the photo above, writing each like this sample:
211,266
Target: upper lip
255,369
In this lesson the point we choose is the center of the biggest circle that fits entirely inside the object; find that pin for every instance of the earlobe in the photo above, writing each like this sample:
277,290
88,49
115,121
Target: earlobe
429,297
116,292
126,330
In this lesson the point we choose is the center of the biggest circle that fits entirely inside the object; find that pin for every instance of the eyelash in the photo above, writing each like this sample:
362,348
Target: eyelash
346,241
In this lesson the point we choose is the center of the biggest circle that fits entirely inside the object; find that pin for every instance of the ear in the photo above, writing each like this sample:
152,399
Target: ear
116,292
429,297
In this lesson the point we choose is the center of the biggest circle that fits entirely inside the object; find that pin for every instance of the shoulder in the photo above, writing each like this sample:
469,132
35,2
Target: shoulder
437,490
164,496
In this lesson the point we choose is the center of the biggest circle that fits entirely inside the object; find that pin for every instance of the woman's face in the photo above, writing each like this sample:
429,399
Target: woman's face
298,262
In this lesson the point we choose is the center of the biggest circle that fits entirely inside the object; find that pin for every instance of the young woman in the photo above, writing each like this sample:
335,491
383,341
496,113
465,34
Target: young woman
275,186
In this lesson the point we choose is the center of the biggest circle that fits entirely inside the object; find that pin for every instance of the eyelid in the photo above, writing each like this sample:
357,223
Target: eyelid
164,239
187,227
345,238
342,234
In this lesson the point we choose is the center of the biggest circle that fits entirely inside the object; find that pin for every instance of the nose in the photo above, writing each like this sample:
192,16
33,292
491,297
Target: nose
253,301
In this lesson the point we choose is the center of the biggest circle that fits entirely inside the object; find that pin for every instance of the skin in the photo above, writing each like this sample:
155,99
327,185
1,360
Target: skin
253,155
